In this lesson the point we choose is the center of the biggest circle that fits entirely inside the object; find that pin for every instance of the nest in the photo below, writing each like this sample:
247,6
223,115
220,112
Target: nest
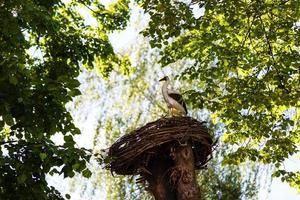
136,149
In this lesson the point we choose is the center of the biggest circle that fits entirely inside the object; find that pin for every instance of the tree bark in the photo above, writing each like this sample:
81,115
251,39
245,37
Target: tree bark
172,176
158,180
183,175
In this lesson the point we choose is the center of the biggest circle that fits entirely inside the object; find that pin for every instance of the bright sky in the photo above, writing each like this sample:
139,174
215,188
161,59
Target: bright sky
280,190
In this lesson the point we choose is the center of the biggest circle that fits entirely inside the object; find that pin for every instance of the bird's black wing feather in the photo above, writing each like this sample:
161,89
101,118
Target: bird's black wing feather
177,97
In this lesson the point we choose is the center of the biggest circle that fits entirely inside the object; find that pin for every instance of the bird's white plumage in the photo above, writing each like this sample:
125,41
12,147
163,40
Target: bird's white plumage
172,103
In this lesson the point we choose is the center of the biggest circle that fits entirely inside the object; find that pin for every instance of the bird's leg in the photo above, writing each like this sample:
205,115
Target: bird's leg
165,116
172,112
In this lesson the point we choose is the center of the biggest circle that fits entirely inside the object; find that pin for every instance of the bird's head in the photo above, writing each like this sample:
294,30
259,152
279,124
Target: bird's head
166,78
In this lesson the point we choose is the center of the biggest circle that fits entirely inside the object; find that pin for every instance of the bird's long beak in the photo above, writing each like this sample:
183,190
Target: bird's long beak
164,78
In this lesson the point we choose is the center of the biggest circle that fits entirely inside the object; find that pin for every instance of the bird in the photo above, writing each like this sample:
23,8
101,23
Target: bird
173,99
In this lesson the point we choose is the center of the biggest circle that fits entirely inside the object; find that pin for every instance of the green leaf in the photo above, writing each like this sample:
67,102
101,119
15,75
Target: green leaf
76,166
43,156
74,92
13,80
69,140
8,119
22,178
87,173
68,196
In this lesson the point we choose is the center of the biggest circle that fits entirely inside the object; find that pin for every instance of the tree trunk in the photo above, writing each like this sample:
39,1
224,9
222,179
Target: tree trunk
172,176
158,180
183,175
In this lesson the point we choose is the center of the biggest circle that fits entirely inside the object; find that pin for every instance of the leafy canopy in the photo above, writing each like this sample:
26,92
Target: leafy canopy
245,70
42,46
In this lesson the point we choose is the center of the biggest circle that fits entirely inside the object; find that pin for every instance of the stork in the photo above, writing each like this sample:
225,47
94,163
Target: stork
173,99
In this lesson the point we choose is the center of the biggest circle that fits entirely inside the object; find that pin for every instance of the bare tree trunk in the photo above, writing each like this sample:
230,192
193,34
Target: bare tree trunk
183,175
159,183
172,176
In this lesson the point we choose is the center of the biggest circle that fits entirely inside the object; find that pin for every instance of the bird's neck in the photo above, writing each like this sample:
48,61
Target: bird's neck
165,89
165,85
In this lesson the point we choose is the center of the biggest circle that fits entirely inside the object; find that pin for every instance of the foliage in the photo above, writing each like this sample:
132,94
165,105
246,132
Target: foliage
227,182
119,105
42,45
245,71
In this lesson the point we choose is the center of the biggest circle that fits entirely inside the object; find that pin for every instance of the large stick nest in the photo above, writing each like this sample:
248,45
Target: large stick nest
136,149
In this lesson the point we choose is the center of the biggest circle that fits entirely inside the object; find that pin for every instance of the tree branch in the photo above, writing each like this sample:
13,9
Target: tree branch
270,51
8,142
248,32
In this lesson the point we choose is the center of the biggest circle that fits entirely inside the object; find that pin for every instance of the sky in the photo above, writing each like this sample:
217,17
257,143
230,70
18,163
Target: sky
121,41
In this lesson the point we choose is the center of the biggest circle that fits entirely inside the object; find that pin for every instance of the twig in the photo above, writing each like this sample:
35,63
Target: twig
270,49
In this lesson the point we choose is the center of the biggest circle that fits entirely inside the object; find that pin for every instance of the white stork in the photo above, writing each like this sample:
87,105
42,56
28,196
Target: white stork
173,99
